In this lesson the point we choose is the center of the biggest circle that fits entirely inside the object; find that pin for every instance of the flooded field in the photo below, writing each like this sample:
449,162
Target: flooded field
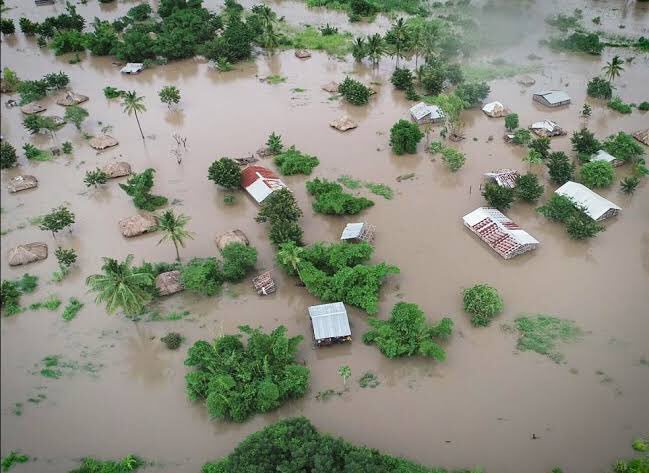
486,405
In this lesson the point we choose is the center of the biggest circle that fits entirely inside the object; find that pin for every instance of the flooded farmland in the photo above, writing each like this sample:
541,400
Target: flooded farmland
486,405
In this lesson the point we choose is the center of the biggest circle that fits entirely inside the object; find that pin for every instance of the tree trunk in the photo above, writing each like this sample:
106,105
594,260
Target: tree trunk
138,125
177,252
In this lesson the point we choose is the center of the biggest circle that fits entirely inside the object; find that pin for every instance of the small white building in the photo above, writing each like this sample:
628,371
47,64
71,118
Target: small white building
551,98
499,232
330,323
356,232
495,109
424,113
602,155
504,177
132,68
260,182
596,207
546,128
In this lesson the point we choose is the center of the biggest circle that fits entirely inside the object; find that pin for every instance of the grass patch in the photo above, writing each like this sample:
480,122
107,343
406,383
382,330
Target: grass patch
337,44
541,333
327,394
27,284
618,105
72,309
298,90
380,189
489,72
368,380
12,459
54,367
171,316
51,303
275,79
349,182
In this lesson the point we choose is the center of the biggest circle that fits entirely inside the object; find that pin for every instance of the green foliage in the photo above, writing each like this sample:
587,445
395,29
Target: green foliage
498,196
51,303
66,146
585,143
238,381
10,80
65,258
599,88
640,445
453,159
138,186
629,184
330,199
623,146
411,94
33,153
135,46
126,465
511,121
37,123
354,92
14,457
383,190
337,44
368,380
483,303
280,209
68,42
345,372
172,227
406,333
541,333
560,168
102,40
635,465
564,22
558,208
28,27
172,340
522,136
404,137
541,145
292,162
226,173
203,275
472,94
579,42
95,178
76,115
402,79
597,174
229,199
169,94
7,26
618,105
238,261
10,297
578,224
140,12
349,182
528,188
274,143
57,220
234,43
112,92
8,158
72,309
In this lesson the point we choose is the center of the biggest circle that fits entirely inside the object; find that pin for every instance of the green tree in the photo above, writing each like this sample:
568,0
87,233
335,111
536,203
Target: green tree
57,220
292,162
280,209
76,115
121,286
102,40
8,158
65,258
404,137
37,123
498,196
597,174
290,254
522,136
139,186
402,79
541,145
375,48
95,178
359,49
472,94
354,92
169,94
585,144
483,303
173,229
511,121
629,184
528,188
345,372
623,146
453,159
599,88
131,105
268,20
330,199
560,168
7,26
397,39
226,173
274,143
533,158
202,275
613,68
238,260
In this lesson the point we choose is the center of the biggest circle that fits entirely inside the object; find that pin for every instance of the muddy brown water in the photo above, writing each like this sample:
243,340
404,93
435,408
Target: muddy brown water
480,407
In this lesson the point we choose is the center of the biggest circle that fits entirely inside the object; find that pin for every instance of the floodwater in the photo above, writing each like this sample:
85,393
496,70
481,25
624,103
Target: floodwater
480,407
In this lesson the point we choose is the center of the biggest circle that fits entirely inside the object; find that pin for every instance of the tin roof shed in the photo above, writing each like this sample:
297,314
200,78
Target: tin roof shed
602,155
504,177
551,98
595,206
423,112
260,182
329,321
132,68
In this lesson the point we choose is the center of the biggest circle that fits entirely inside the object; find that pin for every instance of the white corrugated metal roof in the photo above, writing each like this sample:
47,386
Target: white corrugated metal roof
602,155
422,110
132,68
259,190
329,320
594,204
547,125
352,230
554,96
504,223
493,107
504,177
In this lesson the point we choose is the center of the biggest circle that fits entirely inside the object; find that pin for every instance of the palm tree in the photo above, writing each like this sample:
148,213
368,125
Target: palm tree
121,286
290,254
417,42
131,104
613,68
398,38
375,48
267,17
173,229
359,49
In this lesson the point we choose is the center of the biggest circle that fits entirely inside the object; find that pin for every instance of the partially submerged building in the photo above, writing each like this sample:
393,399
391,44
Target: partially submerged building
424,113
260,182
499,232
132,68
602,155
547,128
356,232
596,207
330,323
551,98
504,177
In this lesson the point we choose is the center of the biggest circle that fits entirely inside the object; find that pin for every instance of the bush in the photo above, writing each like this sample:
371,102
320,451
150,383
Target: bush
644,106
7,26
623,146
453,159
28,27
354,92
8,158
597,174
238,261
541,145
330,199
140,12
226,173
629,184
282,212
528,188
172,340
599,88
234,44
10,80
169,94
558,208
581,42
75,115
472,94
522,136
238,381
560,167
619,106
411,94
406,333
10,297
202,275
66,146
68,42
102,40
112,92
95,178
483,303
585,143
511,121
580,226
138,186
274,143
404,137
498,196
402,79
292,162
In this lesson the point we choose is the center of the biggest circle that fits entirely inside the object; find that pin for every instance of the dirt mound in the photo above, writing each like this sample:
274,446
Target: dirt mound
28,253
137,225
70,98
235,236
168,283
21,183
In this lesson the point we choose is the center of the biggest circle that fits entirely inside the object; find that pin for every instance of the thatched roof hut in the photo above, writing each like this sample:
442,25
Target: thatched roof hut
137,225
526,81
302,54
343,123
21,183
331,87
642,136
28,253
495,110
32,108
235,236
168,283
117,169
102,142
70,98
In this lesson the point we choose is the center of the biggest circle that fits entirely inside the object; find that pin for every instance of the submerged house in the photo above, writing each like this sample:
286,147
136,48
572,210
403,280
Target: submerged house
596,207
551,98
602,155
547,128
356,232
132,68
260,182
504,177
424,113
330,323
495,110
499,232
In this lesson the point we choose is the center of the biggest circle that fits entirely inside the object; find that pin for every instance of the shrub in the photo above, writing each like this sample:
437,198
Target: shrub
585,143
581,42
75,115
618,105
472,94
10,297
202,275
558,208
453,159
172,340
560,167
599,88
541,145
274,143
404,137
406,333
580,226
7,26
33,153
10,80
292,162
498,196
139,186
411,94
66,146
528,188
226,173
127,464
8,158
229,376
623,146
57,220
644,106
597,174
68,42
541,333
522,136
112,92
72,309
140,12
483,303
37,123
402,79
95,178
282,212
238,260
27,26
511,121
354,92
102,40
629,184
330,199
169,94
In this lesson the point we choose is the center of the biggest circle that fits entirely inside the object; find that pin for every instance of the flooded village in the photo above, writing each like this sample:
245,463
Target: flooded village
419,227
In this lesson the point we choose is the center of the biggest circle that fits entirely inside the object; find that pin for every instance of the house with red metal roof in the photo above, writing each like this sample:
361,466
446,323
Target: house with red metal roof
260,182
